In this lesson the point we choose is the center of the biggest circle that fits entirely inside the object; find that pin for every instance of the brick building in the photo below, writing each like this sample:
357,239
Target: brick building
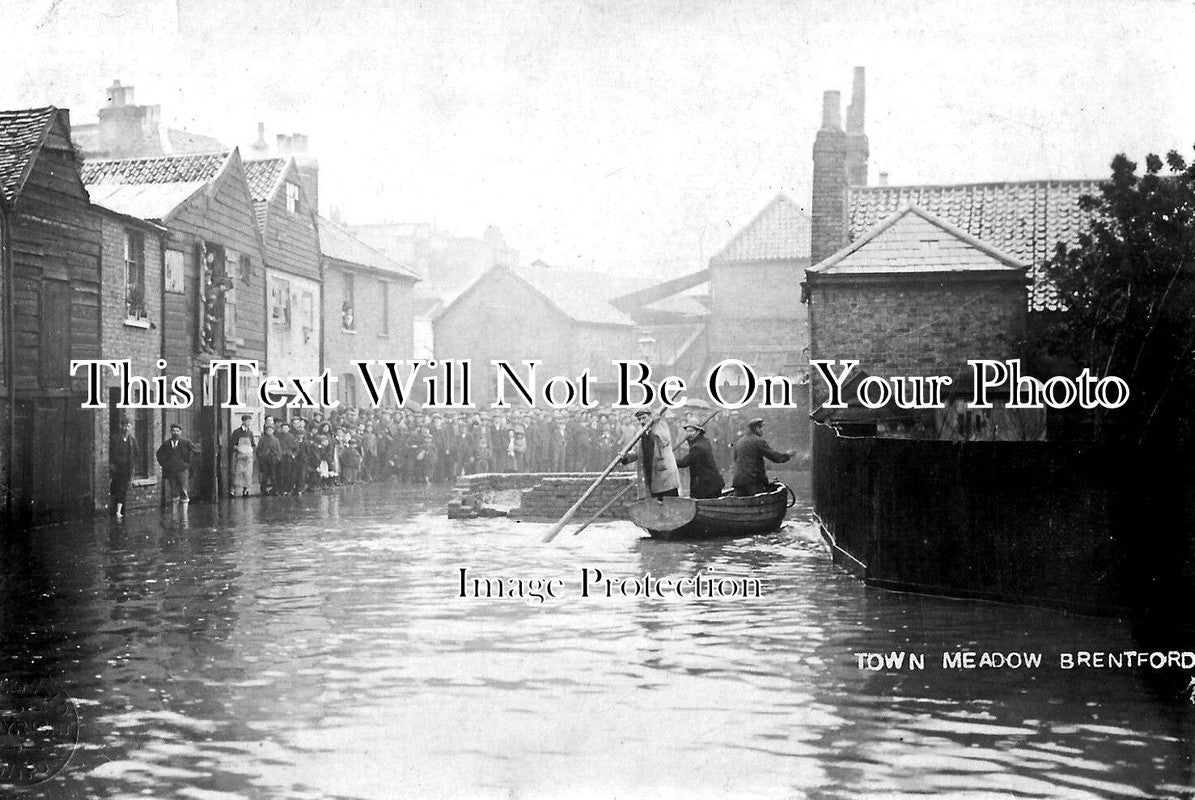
368,308
131,328
50,298
213,268
919,279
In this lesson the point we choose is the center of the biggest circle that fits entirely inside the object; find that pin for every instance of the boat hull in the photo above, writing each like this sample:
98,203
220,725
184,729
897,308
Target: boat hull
727,516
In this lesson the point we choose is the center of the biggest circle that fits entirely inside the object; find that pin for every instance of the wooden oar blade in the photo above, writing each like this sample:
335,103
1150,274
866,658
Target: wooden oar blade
665,514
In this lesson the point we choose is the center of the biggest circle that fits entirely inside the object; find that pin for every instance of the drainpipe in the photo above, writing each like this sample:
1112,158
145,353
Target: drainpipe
10,370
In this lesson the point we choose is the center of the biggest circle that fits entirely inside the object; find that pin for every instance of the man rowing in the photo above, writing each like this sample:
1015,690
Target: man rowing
656,461
750,471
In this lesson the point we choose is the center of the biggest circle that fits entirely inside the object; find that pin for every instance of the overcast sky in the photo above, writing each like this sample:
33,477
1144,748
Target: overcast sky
614,134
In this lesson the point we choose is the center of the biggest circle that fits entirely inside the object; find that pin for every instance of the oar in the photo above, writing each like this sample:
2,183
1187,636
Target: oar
568,515
630,486
605,508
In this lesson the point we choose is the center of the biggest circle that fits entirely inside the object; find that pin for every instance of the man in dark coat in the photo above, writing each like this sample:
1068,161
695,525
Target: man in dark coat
705,480
750,472
122,458
175,457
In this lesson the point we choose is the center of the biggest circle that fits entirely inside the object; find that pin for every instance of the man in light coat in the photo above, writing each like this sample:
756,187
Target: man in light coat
657,463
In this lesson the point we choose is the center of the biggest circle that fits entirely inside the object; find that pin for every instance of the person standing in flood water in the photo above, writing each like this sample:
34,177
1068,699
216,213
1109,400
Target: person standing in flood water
122,456
175,457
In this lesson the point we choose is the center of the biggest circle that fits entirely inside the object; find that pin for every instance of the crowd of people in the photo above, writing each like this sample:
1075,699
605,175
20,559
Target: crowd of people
416,447
290,456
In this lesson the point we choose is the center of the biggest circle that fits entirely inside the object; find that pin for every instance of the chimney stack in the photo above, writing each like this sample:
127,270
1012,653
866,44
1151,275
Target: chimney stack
261,146
119,96
283,144
829,205
856,139
299,143
308,167
831,111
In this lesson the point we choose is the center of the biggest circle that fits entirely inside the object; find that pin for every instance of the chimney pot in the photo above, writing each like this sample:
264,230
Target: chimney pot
283,144
831,111
299,143
883,179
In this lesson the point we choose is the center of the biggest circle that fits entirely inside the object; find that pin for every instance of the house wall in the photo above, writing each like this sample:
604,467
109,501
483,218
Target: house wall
294,344
222,215
757,306
54,246
364,341
139,341
292,252
501,317
904,327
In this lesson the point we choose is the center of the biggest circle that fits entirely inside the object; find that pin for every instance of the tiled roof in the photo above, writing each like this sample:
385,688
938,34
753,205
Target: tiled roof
1024,219
781,230
21,132
336,242
262,176
160,169
583,296
914,241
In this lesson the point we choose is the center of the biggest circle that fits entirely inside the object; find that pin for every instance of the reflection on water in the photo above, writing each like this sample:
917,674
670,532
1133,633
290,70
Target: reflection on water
315,647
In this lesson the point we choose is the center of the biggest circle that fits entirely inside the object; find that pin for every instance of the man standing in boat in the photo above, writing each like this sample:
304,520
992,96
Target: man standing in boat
705,480
657,464
750,472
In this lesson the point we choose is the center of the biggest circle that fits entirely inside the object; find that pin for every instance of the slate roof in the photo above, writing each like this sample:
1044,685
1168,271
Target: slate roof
21,133
780,231
915,241
153,201
1024,219
159,169
338,243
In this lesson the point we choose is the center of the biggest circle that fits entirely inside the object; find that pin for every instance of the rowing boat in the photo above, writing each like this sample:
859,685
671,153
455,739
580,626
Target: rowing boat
728,515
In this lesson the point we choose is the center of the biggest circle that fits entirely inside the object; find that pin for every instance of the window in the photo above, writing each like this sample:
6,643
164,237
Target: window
307,315
230,317
134,275
348,309
348,390
174,271
384,292
246,269
292,197
280,302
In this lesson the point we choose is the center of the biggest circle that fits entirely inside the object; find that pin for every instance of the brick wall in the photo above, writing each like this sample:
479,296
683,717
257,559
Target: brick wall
138,341
910,327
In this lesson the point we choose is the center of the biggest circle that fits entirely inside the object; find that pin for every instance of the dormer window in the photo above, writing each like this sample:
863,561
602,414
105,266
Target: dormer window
292,197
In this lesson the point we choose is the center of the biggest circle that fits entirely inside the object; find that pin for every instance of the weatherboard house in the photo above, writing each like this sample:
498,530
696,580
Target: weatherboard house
50,302
213,279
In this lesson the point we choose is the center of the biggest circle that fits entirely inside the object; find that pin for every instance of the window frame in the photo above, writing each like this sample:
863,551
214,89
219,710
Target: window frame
135,308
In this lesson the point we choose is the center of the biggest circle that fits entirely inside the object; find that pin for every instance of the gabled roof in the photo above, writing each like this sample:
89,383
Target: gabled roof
583,296
337,243
263,175
580,295
1025,219
914,241
201,168
21,134
780,231
150,188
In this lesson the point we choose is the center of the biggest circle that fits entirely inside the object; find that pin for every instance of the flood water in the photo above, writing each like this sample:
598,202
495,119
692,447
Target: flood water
316,648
